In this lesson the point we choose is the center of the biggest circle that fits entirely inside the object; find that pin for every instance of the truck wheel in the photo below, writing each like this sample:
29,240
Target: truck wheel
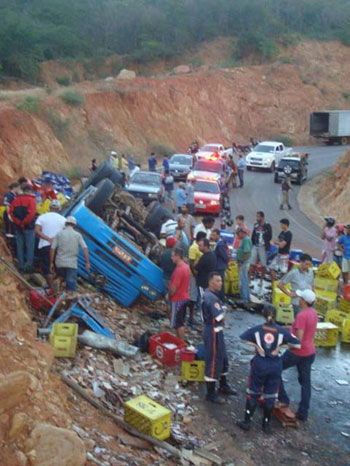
153,221
344,141
272,168
116,177
96,201
249,169
105,170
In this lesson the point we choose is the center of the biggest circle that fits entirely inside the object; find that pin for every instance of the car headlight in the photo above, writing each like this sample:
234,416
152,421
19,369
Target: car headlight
214,202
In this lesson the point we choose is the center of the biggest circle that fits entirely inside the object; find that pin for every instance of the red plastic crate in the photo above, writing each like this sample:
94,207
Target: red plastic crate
187,355
158,349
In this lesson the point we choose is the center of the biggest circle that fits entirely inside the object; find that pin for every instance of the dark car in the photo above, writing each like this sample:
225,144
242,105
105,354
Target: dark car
180,166
295,166
146,186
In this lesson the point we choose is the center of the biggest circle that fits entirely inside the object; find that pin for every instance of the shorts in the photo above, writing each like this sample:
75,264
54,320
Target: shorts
70,277
44,254
259,253
193,290
280,263
345,265
178,313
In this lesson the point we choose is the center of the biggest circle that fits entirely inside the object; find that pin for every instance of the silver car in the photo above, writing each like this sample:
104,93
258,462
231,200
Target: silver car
146,186
180,166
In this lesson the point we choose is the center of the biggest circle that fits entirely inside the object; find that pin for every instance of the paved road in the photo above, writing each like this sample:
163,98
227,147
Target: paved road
261,193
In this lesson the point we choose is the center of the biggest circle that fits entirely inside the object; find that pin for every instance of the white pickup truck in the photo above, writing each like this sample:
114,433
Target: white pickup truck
266,155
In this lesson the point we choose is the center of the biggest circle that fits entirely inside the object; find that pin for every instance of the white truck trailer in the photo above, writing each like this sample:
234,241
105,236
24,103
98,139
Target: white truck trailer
332,126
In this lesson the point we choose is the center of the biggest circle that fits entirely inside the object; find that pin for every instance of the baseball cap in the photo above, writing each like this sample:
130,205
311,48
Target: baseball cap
307,295
55,204
170,242
113,152
71,220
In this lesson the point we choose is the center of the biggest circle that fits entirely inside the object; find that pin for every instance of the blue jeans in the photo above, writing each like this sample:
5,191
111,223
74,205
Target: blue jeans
303,364
70,276
240,176
25,241
244,281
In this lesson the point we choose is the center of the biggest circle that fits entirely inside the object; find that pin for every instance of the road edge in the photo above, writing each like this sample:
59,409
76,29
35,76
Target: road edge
307,200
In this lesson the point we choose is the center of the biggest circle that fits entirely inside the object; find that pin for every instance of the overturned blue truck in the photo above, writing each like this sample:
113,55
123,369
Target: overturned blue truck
120,246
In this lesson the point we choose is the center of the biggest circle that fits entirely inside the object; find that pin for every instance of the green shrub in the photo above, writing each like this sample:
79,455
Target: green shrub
286,140
162,149
75,77
58,124
196,62
62,80
73,97
29,104
346,95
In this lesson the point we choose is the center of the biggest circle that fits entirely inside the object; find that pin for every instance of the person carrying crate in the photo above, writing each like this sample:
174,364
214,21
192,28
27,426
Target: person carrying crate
266,366
216,362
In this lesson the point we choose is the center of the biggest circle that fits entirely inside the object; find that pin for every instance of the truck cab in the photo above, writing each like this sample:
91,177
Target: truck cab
266,155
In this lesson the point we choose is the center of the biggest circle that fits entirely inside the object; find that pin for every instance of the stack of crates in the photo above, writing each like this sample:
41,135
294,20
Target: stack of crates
325,301
330,270
284,315
326,334
344,306
326,284
148,417
63,339
280,299
231,282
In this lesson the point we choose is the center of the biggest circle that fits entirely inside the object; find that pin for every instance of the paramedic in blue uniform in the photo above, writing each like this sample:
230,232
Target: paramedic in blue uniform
266,366
216,362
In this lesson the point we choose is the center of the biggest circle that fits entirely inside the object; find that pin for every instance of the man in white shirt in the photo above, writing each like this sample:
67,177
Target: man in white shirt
168,227
46,228
206,225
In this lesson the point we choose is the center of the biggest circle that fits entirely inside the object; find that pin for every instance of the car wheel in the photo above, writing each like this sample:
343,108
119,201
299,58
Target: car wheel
105,170
272,168
96,201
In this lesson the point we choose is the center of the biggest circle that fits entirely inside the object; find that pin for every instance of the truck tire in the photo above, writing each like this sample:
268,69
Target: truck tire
272,168
96,201
116,177
105,170
153,221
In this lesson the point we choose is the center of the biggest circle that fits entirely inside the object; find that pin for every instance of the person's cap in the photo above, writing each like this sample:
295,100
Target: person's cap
113,152
71,220
55,204
329,220
170,242
307,295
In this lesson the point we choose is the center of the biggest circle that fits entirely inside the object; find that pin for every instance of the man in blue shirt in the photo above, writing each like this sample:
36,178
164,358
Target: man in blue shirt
240,170
152,162
344,243
221,253
180,197
166,163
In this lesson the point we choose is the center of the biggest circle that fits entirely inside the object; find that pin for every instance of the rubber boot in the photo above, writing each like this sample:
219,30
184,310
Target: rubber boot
248,414
289,207
212,395
266,427
281,206
224,388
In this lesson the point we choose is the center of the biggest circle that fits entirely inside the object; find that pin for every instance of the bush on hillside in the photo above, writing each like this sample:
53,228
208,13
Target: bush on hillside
73,97
29,104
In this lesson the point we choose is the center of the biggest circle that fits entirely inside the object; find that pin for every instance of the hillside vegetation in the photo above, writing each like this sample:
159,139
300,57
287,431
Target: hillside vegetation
144,30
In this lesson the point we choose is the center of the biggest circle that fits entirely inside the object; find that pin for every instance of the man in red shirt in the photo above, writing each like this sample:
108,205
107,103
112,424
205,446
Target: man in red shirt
179,294
304,328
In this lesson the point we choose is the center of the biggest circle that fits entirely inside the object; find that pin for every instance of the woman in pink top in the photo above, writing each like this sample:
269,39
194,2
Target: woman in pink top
329,236
304,328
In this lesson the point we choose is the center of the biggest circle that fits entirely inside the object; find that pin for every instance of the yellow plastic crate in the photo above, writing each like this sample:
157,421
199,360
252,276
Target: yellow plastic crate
232,272
326,284
326,334
2,211
231,287
345,331
63,339
336,317
279,298
344,305
284,315
193,371
148,417
325,301
330,270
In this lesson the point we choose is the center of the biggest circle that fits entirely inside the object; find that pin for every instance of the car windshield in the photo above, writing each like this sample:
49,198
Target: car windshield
146,178
181,160
210,148
206,187
262,148
209,166
291,163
